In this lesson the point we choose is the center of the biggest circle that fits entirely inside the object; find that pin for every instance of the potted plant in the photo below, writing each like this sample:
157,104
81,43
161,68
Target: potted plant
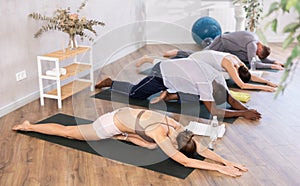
70,23
252,12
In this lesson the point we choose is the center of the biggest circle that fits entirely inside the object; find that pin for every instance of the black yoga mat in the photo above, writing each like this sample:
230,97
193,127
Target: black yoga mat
146,72
124,152
231,84
193,109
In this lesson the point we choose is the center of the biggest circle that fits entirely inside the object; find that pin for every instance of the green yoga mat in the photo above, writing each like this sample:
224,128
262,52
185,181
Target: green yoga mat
124,152
192,109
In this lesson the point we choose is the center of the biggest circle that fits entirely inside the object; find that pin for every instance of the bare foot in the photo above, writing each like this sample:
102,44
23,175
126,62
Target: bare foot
106,82
25,126
171,53
171,96
166,96
144,59
162,96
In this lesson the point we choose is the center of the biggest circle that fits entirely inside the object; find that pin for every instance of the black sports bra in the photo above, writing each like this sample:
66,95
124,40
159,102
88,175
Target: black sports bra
141,131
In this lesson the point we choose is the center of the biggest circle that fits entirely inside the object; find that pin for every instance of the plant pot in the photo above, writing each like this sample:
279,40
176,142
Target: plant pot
240,17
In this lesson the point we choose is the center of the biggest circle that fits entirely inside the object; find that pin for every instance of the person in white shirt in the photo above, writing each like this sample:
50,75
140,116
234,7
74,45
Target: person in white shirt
229,63
191,81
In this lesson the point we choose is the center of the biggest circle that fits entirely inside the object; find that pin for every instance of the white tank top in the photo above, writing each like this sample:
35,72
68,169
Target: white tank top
188,76
210,57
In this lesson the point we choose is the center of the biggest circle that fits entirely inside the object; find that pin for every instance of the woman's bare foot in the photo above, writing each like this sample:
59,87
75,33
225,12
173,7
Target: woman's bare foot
106,82
144,59
25,126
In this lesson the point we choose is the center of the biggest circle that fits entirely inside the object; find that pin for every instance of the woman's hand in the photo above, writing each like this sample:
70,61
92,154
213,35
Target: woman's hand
236,165
269,88
230,171
272,84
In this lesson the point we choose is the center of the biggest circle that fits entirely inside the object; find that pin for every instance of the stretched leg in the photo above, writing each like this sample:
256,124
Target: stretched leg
81,132
144,59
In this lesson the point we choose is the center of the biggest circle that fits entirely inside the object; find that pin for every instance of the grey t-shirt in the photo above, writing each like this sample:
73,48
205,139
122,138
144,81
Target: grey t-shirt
243,44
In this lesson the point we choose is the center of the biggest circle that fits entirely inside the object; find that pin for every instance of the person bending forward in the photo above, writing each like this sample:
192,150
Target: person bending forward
147,129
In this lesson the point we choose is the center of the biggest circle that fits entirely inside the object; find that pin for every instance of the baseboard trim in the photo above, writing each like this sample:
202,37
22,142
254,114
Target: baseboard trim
19,103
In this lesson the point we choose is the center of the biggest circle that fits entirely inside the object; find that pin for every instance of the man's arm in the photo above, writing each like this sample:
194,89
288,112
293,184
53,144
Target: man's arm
267,60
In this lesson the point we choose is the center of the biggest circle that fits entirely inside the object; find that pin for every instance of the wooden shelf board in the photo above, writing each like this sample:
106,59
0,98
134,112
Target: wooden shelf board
61,55
75,68
71,89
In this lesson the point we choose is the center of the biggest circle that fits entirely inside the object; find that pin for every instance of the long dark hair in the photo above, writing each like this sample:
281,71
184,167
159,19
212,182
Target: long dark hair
186,144
244,74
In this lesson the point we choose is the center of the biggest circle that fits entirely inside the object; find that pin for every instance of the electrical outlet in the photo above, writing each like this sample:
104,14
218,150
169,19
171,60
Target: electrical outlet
21,75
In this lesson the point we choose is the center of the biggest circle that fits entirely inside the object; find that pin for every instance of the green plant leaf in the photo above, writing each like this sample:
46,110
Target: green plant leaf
292,27
274,25
291,3
295,52
287,42
283,4
273,7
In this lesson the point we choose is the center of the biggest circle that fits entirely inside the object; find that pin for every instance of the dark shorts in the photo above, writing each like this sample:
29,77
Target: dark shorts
183,54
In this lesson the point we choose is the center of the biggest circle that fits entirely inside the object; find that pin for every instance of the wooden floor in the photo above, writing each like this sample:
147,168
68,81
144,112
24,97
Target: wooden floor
270,148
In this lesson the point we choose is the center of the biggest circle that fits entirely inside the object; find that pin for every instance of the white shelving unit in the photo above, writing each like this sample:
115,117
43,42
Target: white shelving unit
64,91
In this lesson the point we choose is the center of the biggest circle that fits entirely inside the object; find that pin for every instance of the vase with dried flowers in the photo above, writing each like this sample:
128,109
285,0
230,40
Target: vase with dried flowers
70,23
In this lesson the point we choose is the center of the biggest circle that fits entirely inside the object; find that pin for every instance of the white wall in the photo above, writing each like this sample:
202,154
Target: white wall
182,15
168,21
19,49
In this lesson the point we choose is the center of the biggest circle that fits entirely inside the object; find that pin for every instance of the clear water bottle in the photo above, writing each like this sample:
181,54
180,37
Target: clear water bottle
214,127
253,64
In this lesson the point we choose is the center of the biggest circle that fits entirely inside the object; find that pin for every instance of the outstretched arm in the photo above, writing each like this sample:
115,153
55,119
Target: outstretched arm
217,158
166,145
233,73
258,79
263,65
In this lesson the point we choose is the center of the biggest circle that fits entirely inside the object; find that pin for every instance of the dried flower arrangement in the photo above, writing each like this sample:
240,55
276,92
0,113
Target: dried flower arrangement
65,21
